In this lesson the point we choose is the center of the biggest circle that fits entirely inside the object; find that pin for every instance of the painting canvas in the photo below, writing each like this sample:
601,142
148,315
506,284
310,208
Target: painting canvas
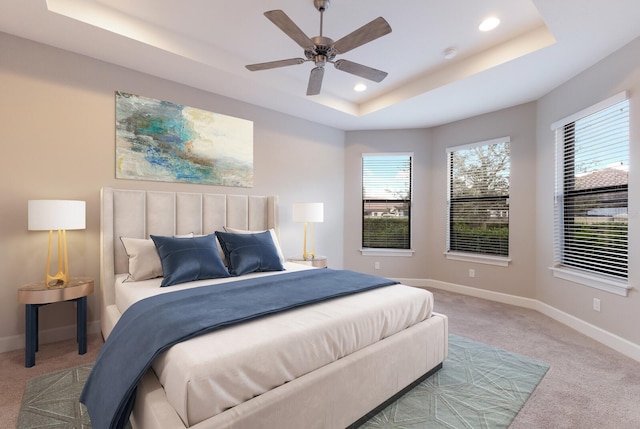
158,140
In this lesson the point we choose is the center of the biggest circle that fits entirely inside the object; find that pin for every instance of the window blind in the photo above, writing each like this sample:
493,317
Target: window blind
479,198
592,190
386,201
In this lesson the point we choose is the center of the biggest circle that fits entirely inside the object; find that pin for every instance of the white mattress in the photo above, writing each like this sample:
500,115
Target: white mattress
211,373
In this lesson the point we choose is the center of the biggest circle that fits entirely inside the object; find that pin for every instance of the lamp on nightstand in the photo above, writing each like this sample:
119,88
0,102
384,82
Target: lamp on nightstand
60,215
308,213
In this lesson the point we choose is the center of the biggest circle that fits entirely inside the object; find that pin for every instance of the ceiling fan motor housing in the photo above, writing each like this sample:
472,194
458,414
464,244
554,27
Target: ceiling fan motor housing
321,5
322,52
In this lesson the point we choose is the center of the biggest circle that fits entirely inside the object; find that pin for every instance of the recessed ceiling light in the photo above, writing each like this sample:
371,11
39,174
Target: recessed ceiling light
489,24
360,87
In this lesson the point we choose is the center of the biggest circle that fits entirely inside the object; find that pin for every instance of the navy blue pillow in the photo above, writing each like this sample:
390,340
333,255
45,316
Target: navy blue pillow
248,253
188,259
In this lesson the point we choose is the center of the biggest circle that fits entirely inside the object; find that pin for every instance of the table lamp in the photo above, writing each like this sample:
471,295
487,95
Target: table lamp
60,215
308,213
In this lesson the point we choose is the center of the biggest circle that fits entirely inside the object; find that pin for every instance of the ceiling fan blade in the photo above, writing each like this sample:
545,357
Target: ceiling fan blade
275,64
315,81
360,70
365,34
284,23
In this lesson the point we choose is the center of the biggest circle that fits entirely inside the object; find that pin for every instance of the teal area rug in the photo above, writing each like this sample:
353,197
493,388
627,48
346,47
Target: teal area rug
478,387
51,400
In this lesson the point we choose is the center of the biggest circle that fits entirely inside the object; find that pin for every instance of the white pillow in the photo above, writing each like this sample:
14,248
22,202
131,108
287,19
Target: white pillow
274,237
190,235
144,261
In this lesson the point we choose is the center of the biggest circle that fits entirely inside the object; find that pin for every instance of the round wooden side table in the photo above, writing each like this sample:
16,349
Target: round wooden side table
35,295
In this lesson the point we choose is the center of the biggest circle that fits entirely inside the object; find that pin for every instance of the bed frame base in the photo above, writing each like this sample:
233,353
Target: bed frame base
334,396
394,398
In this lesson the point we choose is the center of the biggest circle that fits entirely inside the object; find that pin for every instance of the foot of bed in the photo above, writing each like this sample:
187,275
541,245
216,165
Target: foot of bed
395,397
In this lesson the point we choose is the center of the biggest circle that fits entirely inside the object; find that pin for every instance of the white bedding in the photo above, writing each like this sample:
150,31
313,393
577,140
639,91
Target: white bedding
128,293
208,374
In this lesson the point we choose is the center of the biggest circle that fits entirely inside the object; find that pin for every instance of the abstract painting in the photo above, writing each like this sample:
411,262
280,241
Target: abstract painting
162,141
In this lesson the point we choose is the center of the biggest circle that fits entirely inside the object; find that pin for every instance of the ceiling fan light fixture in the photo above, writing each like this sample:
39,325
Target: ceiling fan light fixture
489,23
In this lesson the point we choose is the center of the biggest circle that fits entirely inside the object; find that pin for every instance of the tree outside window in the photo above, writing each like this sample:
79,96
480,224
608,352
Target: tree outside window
479,198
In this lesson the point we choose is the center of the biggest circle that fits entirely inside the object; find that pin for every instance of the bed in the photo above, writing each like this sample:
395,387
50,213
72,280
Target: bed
349,363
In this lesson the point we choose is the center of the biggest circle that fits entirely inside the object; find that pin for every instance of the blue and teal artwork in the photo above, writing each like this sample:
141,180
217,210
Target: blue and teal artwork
158,140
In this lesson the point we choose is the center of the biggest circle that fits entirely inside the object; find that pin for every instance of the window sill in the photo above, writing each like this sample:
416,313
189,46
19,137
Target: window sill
607,284
387,252
500,261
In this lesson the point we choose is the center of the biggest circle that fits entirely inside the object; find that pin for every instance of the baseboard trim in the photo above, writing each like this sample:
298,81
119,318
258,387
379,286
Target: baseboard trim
607,338
472,291
16,342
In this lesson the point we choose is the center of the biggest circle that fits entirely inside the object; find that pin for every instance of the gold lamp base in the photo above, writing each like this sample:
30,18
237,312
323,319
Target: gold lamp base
62,277
308,255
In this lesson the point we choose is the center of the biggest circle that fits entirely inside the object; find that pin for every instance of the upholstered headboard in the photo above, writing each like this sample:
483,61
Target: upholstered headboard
138,214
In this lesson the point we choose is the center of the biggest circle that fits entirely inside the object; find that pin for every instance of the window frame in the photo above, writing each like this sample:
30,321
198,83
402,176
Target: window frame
475,257
387,251
618,285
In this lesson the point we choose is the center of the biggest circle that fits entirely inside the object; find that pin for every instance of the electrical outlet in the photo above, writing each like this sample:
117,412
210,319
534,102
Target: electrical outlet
472,272
596,304
377,265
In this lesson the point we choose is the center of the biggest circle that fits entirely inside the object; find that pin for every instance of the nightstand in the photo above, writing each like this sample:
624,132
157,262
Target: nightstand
318,261
35,295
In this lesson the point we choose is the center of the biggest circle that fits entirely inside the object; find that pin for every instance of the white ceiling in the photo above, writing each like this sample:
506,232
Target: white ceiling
206,44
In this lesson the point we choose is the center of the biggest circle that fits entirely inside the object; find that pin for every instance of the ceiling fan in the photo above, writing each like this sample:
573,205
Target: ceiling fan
322,50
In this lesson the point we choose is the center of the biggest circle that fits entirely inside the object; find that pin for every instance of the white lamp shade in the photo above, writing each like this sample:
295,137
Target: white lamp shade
47,215
308,212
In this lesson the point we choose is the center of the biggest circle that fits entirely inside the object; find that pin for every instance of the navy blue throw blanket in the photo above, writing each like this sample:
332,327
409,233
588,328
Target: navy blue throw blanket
154,324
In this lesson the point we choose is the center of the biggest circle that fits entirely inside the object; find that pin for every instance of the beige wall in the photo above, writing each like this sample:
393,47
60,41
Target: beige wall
619,72
417,142
517,278
58,116
429,212
531,204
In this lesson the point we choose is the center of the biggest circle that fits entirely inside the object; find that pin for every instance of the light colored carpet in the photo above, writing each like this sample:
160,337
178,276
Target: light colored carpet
478,387
589,386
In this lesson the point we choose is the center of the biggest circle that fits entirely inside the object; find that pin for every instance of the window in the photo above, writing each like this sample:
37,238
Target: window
478,198
386,201
592,171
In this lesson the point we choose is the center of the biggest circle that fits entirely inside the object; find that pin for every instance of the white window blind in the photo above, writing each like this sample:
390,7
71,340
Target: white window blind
591,200
386,201
479,198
